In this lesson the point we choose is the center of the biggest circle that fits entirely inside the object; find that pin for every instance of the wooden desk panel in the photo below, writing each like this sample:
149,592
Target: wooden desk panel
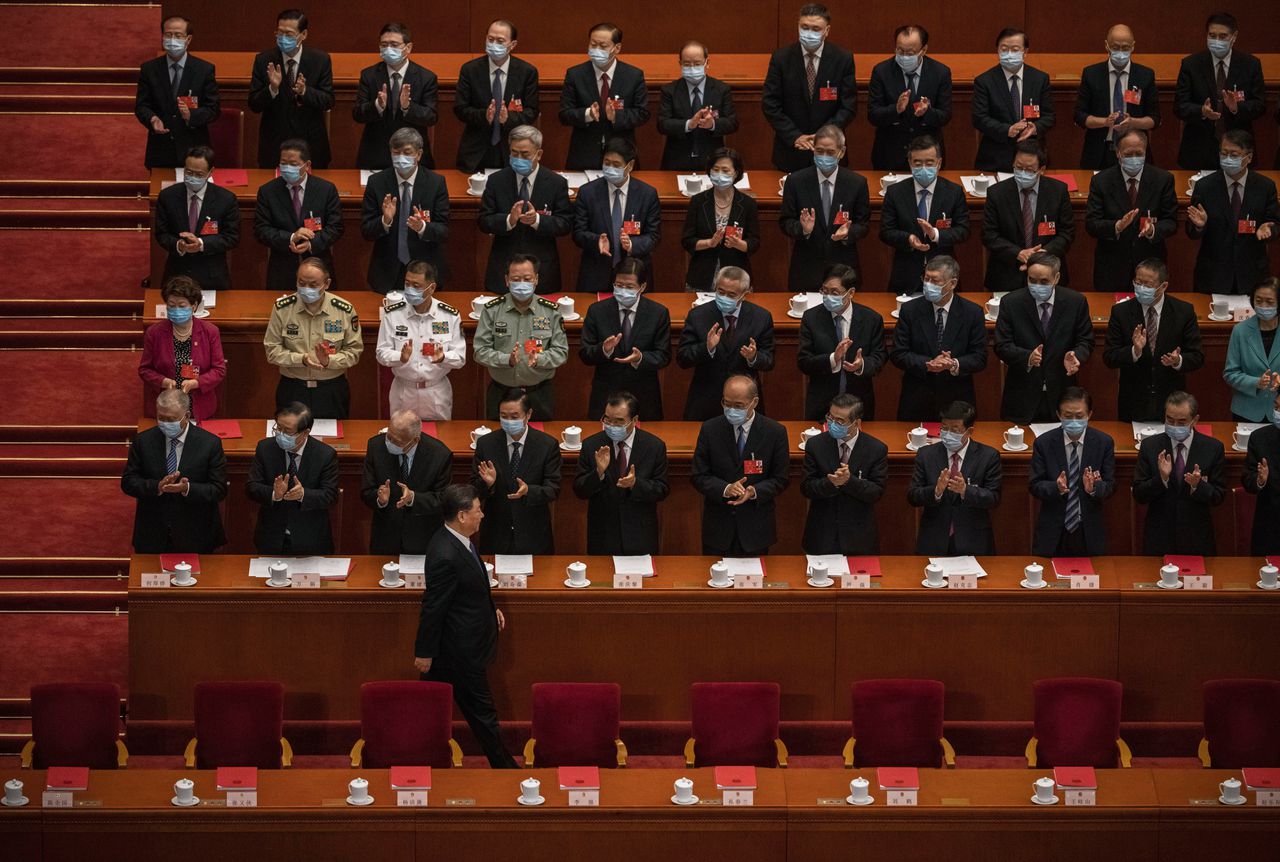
1194,827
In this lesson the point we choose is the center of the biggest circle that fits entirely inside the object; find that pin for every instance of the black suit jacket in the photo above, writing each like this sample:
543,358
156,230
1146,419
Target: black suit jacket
218,211
1264,443
716,465
586,144
471,105
788,107
155,98
375,141
1197,81
457,621
285,116
898,223
925,393
1229,261
386,273
843,520
1093,99
818,340
700,223
1048,462
812,255
650,334
1115,257
274,222
1018,333
1179,520
407,530
710,372
164,523
623,520
969,515
593,215
518,526
993,113
1003,235
549,194
1146,382
893,130
307,520
688,150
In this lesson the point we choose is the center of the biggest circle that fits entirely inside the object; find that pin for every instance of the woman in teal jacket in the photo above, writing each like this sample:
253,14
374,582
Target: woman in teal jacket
1253,357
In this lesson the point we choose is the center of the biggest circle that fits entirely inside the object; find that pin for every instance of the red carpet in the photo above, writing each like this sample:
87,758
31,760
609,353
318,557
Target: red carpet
34,382
63,516
63,648
50,264
35,145
99,35
131,206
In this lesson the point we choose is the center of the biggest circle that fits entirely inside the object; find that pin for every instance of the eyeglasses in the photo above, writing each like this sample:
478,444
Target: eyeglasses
615,423
391,45
840,292
831,420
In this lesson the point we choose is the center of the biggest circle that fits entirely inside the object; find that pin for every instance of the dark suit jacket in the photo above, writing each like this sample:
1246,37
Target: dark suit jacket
993,113
164,523
623,520
1115,257
710,372
1229,261
518,526
1197,81
1003,235
593,215
471,104
375,141
218,211
812,255
898,222
1048,461
688,151
1018,333
586,144
1179,520
893,130
549,194
155,98
408,530
843,520
818,340
700,223
457,622
1093,99
1146,383
1264,443
650,333
925,393
788,107
429,193
274,222
286,116
307,520
716,465
970,515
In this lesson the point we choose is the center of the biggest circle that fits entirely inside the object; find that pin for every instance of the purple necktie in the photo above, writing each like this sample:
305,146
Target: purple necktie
1179,463
1046,314
193,213
297,203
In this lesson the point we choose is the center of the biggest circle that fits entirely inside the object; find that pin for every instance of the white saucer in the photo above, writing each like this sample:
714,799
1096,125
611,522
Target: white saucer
473,315
1261,586
202,313
537,801
572,317
925,583
893,313
853,801
822,585
1235,448
493,582
1240,801
988,318
277,586
395,585
692,800
716,586
195,800
22,800
474,194
1219,319
1162,586
1006,447
564,447
368,800
571,585
792,314
1027,585
1036,800
190,583
929,442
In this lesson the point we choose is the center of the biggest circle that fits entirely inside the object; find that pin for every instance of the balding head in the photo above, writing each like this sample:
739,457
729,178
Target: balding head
741,392
1120,38
404,428
172,405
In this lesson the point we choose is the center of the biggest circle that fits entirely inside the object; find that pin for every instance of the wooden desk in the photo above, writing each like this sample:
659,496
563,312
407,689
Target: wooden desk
1194,827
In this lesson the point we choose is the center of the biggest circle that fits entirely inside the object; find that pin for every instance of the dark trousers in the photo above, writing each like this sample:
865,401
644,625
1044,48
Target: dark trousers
542,398
471,693
734,549
328,399
1072,544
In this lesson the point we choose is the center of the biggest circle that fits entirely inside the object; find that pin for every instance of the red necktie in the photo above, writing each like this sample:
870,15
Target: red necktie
604,88
622,459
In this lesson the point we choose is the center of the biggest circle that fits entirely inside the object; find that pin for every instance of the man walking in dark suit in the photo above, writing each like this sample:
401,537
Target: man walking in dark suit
496,94
1025,215
405,215
922,217
956,483
393,94
1262,458
177,98
602,99
297,216
615,216
622,474
695,113
845,472
909,98
294,480
1219,90
458,624
405,474
841,347
293,90
1073,470
197,223
727,337
1116,96
627,339
1012,103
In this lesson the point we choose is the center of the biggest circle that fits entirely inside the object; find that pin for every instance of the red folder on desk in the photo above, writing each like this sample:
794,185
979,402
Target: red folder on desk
1075,777
735,778
168,561
898,778
67,778
934,428
226,177
237,778
579,777
864,566
1069,179
429,428
1261,779
1065,567
411,778
1187,565
224,429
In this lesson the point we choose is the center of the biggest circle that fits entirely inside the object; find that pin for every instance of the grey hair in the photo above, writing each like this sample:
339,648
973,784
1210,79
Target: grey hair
945,264
408,418
734,273
830,131
174,399
526,133
406,137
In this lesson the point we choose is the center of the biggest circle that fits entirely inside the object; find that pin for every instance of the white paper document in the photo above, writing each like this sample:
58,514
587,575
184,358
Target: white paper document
364,178
208,298
639,565
1146,429
513,564
959,566
413,564
837,564
744,566
328,568
320,428
575,179
1042,428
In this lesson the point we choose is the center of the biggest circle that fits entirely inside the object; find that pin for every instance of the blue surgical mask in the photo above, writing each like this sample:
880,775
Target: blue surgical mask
1264,312
291,173
1219,48
736,415
810,39
833,304
1011,61
1132,165
727,304
694,74
826,164
907,62
626,296
413,296
616,433
953,440
1041,292
1120,59
286,441
404,165
1144,294
393,448
1231,164
175,48
171,430
180,315
932,292
195,184
522,167
599,56
512,427
1025,179
392,56
498,51
721,180
925,175
615,176
1074,427
837,431
309,294
522,290
287,44
1177,433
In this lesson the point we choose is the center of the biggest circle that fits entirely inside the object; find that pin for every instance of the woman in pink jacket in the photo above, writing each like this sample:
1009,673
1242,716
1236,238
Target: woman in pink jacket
183,352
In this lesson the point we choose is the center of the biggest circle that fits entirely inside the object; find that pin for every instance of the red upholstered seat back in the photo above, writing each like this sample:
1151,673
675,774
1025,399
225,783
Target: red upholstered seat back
575,724
1242,722
405,723
75,724
239,724
735,723
1077,721
898,722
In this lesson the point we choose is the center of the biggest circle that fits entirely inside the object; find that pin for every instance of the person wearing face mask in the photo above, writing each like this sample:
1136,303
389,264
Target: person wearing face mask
393,94
294,480
615,216
1258,479
1154,339
405,473
845,473
197,223
1233,213
909,98
178,474
177,97
1252,368
297,215
293,91
1116,96
1219,90
956,483
420,339
695,112
841,347
1012,103
721,225
622,474
1179,477
627,339
1073,470
603,98
922,217
1025,214
183,352
497,94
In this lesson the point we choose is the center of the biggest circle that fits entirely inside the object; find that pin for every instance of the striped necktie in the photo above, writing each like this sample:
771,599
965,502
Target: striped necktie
1073,488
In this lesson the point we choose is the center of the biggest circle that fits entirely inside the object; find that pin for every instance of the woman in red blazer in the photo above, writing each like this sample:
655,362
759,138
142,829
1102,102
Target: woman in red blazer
183,352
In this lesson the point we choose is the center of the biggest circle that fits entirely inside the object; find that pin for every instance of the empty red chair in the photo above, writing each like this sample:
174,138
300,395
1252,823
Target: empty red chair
239,724
576,724
736,724
406,724
1077,723
898,722
1241,719
75,724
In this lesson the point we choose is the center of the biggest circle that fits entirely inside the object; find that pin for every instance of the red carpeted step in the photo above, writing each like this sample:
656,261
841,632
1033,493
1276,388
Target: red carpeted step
69,93
53,450
36,146
72,647
102,35
36,380
74,323
76,204
50,264
77,516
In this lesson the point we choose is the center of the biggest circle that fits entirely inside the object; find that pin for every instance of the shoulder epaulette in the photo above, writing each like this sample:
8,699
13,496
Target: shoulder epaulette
497,300
546,302
395,305
447,307
340,303
286,301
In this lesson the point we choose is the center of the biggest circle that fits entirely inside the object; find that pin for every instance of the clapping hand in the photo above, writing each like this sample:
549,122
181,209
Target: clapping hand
406,352
940,487
958,484
808,218
856,365
521,490
748,351
1070,362
602,243
1264,473
1063,487
1193,478
629,480
1139,338
279,487
604,457
295,492
713,337
1165,465
406,496
839,477
1036,357
171,484
1197,215
1090,478
1171,359
488,473
384,493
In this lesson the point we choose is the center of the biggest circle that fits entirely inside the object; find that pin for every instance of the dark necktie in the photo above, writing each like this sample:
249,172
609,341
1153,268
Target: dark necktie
696,105
922,208
1117,94
404,468
1236,202
838,320
622,459
1015,99
1220,84
604,92
1153,328
177,77
1073,489
524,189
297,203
291,73
730,324
402,226
742,441
475,554
193,213
1180,463
293,466
1046,315
625,346
171,460
697,99
911,83
616,217
955,471
1133,194
844,453
394,100
496,135
1028,219
826,201
513,466
942,325
810,72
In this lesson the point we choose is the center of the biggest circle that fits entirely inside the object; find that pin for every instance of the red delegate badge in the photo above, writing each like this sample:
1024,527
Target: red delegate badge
1247,225
189,371
532,345
189,102
515,105
311,223
1047,228
631,227
752,467
943,224
329,347
209,227
1031,112
841,217
732,231
428,348
1133,96
828,93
